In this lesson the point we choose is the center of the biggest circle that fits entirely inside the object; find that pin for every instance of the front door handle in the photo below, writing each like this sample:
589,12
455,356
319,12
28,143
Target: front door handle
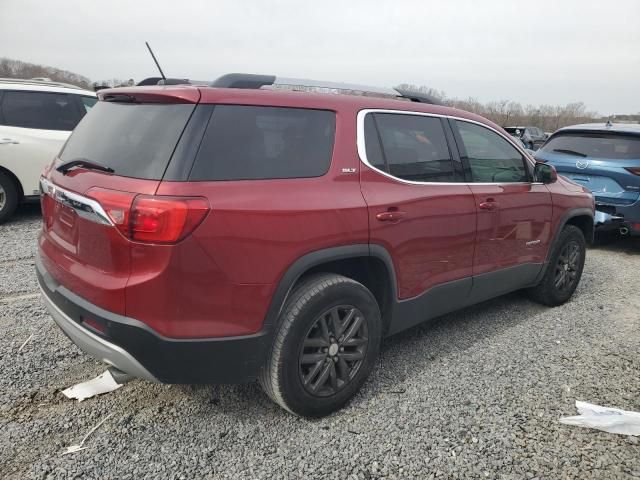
8,141
489,204
390,216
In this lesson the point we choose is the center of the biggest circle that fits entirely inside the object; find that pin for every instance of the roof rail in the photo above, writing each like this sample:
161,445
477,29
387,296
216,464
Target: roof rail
253,81
50,83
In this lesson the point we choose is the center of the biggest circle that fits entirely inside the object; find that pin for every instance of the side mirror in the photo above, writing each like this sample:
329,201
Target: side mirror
544,173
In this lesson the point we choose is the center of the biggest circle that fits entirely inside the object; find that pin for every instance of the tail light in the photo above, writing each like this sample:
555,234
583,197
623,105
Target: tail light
165,219
634,170
151,218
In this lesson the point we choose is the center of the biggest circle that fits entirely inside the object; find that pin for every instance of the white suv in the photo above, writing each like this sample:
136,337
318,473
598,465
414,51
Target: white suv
36,117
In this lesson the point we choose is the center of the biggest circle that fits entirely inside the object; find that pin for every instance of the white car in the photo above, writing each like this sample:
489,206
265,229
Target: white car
36,117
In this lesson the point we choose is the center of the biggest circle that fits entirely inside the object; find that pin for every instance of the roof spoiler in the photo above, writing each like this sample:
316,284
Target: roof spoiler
169,81
253,81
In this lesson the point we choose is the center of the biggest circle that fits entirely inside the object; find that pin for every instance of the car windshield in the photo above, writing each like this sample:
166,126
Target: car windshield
597,145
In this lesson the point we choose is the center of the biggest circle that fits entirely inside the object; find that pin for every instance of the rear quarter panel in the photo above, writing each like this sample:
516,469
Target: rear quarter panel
27,159
569,198
231,265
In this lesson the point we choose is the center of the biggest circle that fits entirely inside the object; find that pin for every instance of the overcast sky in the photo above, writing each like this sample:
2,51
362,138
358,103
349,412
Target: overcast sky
540,51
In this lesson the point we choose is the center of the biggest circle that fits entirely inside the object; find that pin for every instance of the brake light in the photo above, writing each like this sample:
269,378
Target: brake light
151,218
634,170
165,219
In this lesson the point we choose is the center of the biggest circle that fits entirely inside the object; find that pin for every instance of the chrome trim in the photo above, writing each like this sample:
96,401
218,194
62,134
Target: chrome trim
95,346
362,151
87,208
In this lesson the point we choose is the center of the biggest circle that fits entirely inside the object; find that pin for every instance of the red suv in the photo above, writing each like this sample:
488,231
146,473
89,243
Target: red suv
239,231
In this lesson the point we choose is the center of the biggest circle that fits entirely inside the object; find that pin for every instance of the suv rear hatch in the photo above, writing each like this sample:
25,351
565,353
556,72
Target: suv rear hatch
607,163
92,216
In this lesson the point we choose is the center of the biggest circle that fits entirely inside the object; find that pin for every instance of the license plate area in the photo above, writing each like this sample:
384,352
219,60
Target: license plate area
65,227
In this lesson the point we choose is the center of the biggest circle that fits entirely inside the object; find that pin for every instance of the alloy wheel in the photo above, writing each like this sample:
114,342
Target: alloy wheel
567,266
3,197
333,350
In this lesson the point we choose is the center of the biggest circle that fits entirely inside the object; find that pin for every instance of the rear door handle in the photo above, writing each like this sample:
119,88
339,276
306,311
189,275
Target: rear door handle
488,204
392,216
8,141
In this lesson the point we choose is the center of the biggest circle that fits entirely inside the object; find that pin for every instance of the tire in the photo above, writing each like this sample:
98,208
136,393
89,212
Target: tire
305,352
8,197
562,268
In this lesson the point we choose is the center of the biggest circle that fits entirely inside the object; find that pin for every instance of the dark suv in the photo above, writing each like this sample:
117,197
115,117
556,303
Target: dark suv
532,137
222,235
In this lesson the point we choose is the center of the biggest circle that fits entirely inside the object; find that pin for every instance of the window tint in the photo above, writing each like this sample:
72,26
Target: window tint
250,143
41,110
87,103
372,143
136,140
597,145
492,159
415,147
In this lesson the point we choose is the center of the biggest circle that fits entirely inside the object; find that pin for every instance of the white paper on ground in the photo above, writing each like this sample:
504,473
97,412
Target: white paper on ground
612,420
103,383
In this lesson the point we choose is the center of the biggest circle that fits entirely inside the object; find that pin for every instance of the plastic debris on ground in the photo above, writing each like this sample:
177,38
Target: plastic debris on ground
103,383
612,420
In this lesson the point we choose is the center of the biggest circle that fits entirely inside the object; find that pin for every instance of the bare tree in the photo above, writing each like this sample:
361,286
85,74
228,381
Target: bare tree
18,69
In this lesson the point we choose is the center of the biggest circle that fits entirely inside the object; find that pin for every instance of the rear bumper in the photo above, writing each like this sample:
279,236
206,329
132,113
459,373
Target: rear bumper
95,346
134,348
613,217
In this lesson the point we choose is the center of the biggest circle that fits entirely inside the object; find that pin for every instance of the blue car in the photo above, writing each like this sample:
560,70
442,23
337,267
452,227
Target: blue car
605,158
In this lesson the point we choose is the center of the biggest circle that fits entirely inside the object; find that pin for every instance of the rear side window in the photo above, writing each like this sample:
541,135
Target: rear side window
39,110
492,159
136,140
597,145
372,144
413,147
87,103
252,143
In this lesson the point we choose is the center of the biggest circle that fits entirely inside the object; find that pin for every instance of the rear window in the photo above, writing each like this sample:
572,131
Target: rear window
598,145
251,143
135,140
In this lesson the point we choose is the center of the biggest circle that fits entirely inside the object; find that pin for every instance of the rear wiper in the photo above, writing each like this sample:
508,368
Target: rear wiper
83,162
570,152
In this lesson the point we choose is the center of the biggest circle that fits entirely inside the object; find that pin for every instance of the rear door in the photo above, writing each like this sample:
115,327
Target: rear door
514,214
33,127
81,243
420,209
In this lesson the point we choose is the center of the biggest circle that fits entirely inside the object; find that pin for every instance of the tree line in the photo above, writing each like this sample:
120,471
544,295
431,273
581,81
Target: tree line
508,113
18,69
503,112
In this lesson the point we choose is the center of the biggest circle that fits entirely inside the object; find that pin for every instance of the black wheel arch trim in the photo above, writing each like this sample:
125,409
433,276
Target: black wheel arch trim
318,257
576,212
16,181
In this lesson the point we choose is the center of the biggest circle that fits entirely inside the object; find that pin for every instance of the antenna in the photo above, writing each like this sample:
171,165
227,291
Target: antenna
155,60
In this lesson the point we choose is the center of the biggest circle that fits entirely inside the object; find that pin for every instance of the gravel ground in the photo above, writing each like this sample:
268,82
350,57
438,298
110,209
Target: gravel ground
475,394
